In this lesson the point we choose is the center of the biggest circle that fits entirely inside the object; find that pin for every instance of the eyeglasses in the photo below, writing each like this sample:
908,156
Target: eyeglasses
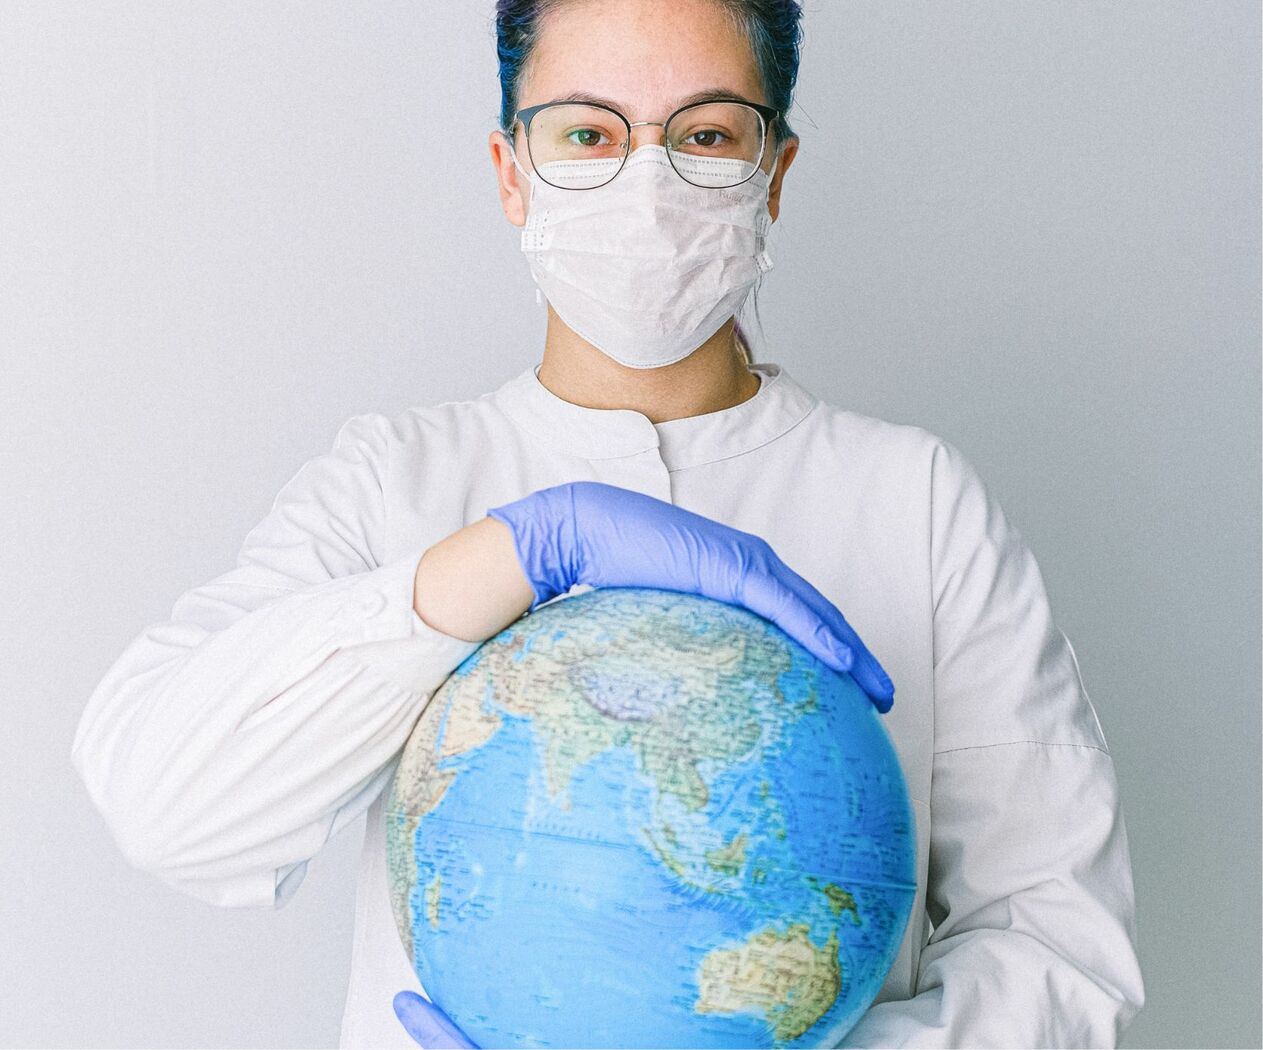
584,145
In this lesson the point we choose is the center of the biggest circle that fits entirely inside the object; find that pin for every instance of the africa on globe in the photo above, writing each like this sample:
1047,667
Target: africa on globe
645,818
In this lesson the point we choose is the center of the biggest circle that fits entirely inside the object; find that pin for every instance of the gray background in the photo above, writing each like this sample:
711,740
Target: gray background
1031,227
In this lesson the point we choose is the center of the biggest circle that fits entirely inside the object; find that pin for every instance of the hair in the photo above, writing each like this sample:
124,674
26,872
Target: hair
772,28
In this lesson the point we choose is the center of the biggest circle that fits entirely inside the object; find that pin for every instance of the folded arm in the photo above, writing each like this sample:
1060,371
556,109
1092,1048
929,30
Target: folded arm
227,744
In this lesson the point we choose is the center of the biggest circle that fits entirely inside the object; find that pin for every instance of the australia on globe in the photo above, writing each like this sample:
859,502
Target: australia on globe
645,818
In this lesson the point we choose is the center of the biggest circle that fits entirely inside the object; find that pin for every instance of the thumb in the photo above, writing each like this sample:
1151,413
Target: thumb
429,1025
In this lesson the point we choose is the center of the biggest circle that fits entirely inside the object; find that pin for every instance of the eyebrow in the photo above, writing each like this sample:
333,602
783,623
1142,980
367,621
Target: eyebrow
707,95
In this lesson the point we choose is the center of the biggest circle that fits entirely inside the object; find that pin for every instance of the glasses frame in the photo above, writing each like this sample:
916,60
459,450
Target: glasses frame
767,114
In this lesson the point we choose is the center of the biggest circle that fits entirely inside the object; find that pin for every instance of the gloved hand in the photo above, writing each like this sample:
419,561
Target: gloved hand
429,1025
586,532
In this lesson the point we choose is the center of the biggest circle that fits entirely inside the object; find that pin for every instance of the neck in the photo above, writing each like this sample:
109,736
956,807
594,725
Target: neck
713,377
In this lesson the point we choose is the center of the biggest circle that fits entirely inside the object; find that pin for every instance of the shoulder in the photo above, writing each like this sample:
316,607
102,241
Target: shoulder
908,450
429,428
908,467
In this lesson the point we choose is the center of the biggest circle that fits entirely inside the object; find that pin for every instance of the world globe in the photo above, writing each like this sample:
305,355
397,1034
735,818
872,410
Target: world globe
645,818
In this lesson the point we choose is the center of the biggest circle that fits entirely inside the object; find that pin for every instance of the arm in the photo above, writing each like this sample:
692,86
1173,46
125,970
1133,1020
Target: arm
1030,886
470,584
226,745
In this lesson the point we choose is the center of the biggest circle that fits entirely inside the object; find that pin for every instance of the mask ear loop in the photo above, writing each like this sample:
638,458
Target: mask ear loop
530,179
530,201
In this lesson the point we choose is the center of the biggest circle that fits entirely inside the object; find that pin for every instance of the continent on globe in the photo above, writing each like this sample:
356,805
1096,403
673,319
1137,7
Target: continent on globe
646,818
783,975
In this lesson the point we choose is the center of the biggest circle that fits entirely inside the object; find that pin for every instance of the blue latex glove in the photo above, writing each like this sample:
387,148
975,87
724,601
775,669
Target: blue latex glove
429,1025
586,532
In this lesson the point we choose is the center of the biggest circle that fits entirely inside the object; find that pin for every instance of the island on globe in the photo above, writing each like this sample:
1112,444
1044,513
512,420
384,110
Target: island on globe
645,818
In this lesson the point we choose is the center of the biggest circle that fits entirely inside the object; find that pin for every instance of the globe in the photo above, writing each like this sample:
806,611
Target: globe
645,818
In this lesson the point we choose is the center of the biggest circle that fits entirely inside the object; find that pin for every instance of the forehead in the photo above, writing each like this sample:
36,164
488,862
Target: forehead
645,56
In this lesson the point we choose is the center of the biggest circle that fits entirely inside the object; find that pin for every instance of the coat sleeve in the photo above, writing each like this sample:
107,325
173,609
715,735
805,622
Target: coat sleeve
1029,889
226,745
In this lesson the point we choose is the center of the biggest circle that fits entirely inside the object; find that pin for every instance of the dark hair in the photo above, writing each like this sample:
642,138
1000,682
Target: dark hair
771,26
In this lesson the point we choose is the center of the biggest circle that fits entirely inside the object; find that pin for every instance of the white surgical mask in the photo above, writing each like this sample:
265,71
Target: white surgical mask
647,267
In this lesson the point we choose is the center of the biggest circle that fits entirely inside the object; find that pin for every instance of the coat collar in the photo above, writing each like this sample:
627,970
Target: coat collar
611,433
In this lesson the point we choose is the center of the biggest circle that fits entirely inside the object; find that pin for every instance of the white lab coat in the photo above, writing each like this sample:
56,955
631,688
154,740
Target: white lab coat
226,745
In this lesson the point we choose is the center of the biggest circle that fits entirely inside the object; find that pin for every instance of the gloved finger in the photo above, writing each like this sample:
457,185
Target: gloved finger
763,593
429,1025
868,673
867,670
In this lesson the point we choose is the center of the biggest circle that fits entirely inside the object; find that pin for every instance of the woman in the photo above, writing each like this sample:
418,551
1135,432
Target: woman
227,745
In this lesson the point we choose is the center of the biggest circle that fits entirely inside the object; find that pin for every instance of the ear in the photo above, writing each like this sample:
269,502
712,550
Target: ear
783,162
513,193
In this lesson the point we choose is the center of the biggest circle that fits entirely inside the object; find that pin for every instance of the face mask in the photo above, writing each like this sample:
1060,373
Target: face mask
648,267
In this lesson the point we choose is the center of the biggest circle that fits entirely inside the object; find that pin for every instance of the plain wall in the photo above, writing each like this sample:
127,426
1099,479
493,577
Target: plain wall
1032,228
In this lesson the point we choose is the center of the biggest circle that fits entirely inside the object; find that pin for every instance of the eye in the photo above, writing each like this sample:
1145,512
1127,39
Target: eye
710,142
588,137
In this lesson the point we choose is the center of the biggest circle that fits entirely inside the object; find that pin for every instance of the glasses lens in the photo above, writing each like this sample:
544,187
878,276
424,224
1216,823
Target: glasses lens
716,144
576,147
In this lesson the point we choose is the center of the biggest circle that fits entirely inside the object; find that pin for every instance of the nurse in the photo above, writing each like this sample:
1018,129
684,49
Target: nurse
642,150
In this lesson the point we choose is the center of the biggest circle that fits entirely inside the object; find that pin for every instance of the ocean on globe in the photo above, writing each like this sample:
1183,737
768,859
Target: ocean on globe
645,818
